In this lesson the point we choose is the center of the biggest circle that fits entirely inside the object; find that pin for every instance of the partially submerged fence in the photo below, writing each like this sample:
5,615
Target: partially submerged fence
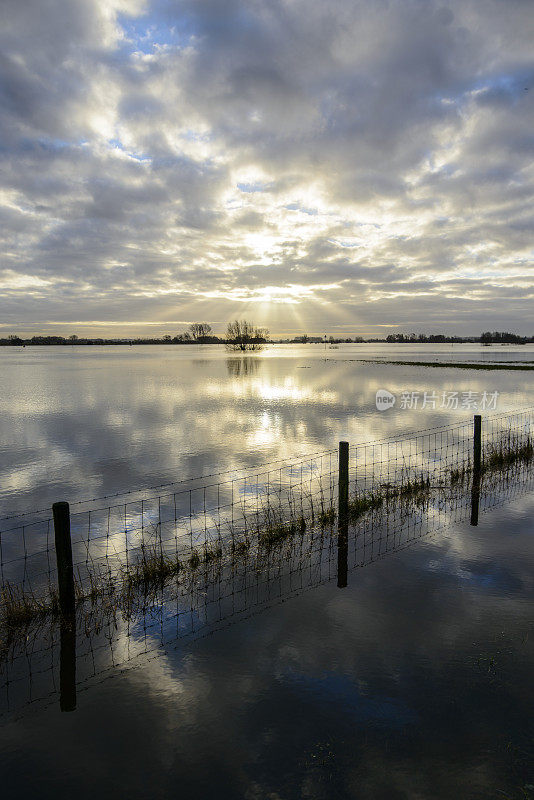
79,547
60,660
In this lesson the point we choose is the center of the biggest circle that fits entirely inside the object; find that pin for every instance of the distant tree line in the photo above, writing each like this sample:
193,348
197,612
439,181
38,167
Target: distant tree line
242,335
305,339
504,337
485,338
433,338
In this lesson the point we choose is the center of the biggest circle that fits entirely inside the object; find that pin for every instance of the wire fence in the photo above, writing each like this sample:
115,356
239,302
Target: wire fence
223,592
205,518
210,520
437,456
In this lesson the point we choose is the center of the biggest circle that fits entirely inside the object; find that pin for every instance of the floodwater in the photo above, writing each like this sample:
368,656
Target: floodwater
396,664
81,422
412,681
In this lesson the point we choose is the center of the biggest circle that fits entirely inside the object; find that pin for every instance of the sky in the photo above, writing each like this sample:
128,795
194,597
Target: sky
349,167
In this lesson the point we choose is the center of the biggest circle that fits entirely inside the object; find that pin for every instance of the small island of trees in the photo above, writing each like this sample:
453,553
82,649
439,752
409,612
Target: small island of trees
243,336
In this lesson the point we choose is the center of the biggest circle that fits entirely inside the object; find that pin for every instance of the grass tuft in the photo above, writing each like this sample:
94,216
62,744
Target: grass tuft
362,504
459,475
504,456
241,548
152,568
212,554
327,517
277,533
19,609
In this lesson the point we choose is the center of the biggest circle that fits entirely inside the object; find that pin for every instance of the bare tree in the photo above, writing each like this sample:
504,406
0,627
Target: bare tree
199,330
242,335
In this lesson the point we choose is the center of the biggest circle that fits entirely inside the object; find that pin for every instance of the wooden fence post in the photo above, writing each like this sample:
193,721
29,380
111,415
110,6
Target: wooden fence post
477,444
343,483
477,468
343,515
65,574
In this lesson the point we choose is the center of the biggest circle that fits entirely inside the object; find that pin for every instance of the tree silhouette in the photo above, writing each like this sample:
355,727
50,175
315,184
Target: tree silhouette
242,335
199,330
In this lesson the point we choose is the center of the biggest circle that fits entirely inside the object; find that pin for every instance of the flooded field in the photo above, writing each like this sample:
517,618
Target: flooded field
387,654
396,665
78,423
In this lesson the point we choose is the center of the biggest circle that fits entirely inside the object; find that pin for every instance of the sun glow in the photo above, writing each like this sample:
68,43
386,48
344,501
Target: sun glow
281,294
291,294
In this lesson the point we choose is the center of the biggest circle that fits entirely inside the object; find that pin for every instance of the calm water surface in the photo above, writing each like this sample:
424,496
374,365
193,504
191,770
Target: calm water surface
413,681
77,422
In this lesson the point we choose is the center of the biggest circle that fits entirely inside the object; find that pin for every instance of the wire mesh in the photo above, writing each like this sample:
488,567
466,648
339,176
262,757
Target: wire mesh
208,520
223,592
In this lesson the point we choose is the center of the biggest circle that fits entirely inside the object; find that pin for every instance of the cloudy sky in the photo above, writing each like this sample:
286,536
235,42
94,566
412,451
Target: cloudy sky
341,166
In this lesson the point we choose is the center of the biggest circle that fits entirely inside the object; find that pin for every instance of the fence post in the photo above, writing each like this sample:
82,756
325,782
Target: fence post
343,484
65,575
477,468
477,444
343,515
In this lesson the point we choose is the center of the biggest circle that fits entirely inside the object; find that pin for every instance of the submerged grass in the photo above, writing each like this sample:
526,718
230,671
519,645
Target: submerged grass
327,517
213,553
362,504
280,531
151,569
241,548
460,474
415,488
19,609
509,454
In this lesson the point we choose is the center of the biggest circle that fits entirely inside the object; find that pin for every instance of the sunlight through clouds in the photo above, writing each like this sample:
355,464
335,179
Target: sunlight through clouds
366,163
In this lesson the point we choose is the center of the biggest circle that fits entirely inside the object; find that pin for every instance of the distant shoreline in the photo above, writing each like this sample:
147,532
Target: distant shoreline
56,341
